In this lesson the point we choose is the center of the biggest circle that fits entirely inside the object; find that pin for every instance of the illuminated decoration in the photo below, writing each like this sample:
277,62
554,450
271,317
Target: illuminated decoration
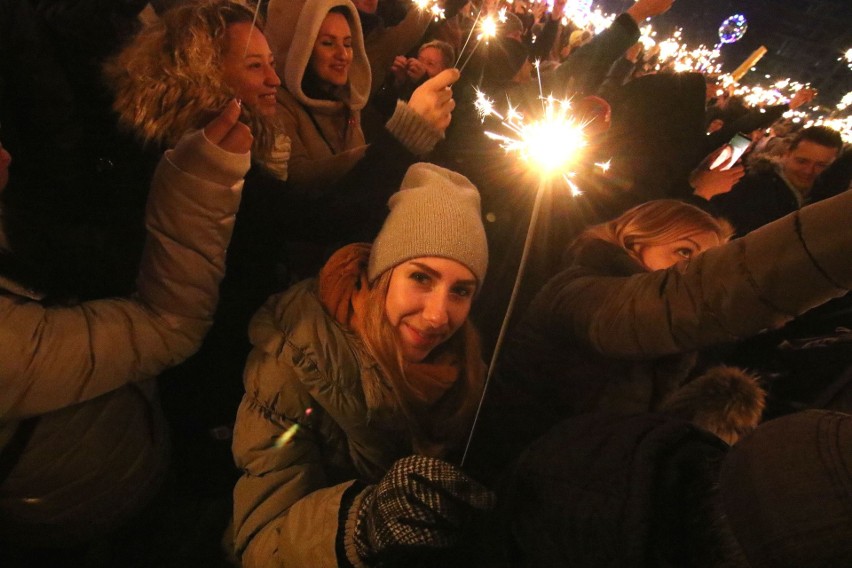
733,29
750,62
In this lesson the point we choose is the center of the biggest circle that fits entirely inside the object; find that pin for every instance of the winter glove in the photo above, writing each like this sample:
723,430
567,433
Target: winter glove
422,504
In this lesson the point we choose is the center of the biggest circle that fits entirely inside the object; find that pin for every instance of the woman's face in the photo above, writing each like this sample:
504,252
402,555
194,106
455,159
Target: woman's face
660,257
332,54
249,68
428,300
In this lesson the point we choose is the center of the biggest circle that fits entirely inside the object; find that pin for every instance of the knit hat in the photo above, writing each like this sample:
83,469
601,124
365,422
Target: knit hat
436,212
787,491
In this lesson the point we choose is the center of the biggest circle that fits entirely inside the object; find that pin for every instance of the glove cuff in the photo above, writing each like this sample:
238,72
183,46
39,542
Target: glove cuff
345,543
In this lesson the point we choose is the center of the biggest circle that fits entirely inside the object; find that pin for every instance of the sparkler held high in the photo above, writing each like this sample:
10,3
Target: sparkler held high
552,145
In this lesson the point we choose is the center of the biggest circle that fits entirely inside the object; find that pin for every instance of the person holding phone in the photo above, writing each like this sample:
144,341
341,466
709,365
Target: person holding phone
773,190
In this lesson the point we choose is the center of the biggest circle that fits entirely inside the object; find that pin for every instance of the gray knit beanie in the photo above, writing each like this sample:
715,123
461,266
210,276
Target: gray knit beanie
435,213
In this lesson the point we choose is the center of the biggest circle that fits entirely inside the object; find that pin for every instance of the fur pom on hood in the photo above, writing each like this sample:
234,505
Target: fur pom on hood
291,29
727,401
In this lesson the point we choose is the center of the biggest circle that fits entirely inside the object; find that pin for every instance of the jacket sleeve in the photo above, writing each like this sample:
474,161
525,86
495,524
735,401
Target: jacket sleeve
586,68
729,293
54,357
286,509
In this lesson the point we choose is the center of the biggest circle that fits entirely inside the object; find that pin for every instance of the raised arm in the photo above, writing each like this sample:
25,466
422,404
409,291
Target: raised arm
56,356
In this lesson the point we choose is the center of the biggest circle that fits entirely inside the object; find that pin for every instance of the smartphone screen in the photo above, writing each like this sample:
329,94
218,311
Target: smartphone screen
734,151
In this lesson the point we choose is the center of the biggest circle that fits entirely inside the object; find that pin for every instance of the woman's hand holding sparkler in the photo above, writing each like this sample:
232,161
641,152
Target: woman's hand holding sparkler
433,100
227,132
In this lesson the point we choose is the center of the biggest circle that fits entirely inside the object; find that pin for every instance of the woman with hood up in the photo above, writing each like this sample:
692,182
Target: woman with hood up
343,181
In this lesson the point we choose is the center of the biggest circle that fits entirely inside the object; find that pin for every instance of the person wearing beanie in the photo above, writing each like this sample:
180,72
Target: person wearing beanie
360,391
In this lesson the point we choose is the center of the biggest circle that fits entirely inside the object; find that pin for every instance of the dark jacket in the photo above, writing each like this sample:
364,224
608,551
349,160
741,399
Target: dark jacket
605,335
603,490
757,199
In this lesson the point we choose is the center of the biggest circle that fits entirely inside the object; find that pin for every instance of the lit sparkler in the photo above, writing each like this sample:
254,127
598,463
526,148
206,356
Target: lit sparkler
551,144
431,7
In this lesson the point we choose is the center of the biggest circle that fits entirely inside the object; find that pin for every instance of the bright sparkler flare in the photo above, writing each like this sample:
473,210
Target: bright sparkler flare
551,144
430,7
487,28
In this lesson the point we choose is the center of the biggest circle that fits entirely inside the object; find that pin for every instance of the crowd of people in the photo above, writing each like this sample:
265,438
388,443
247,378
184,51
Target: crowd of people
255,260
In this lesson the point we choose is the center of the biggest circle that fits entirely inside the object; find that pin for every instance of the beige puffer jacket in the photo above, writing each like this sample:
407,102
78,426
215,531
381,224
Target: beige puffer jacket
97,452
327,140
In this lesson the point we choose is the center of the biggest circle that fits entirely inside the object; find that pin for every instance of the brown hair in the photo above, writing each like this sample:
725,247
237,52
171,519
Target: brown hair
440,428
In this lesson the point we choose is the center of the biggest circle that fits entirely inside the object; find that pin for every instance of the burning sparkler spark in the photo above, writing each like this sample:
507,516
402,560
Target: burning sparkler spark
431,7
551,143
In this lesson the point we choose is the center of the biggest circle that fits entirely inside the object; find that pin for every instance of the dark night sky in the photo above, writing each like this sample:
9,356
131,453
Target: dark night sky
824,28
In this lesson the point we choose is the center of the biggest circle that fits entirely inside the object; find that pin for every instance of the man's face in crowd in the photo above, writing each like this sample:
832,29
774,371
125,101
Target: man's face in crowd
803,164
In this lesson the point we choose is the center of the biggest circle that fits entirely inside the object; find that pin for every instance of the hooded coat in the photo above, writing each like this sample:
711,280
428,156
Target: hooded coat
338,183
97,450
606,335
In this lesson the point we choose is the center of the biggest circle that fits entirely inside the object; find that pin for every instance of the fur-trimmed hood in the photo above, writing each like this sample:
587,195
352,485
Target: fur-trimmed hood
291,30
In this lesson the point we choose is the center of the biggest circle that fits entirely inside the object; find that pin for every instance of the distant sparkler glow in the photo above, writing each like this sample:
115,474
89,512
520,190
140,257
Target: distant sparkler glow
431,7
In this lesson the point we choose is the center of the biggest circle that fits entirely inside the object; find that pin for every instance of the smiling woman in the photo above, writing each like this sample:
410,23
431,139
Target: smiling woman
248,67
182,69
380,354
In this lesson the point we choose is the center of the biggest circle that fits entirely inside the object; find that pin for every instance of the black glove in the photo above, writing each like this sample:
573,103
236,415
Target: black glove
421,504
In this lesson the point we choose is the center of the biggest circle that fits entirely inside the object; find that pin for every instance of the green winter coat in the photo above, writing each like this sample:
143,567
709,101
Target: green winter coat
287,502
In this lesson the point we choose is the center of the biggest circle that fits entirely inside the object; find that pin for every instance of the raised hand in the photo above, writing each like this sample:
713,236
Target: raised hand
433,100
227,132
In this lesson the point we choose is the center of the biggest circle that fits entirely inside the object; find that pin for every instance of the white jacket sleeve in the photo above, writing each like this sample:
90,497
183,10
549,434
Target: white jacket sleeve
54,357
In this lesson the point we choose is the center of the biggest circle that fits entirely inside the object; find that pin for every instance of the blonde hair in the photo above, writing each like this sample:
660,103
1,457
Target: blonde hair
436,430
168,79
656,222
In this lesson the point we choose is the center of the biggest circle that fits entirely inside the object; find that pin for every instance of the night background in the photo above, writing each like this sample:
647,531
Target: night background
804,38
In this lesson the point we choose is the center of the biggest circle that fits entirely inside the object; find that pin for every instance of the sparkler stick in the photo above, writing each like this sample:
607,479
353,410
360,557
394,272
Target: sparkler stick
290,433
552,143
253,22
510,308
469,34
